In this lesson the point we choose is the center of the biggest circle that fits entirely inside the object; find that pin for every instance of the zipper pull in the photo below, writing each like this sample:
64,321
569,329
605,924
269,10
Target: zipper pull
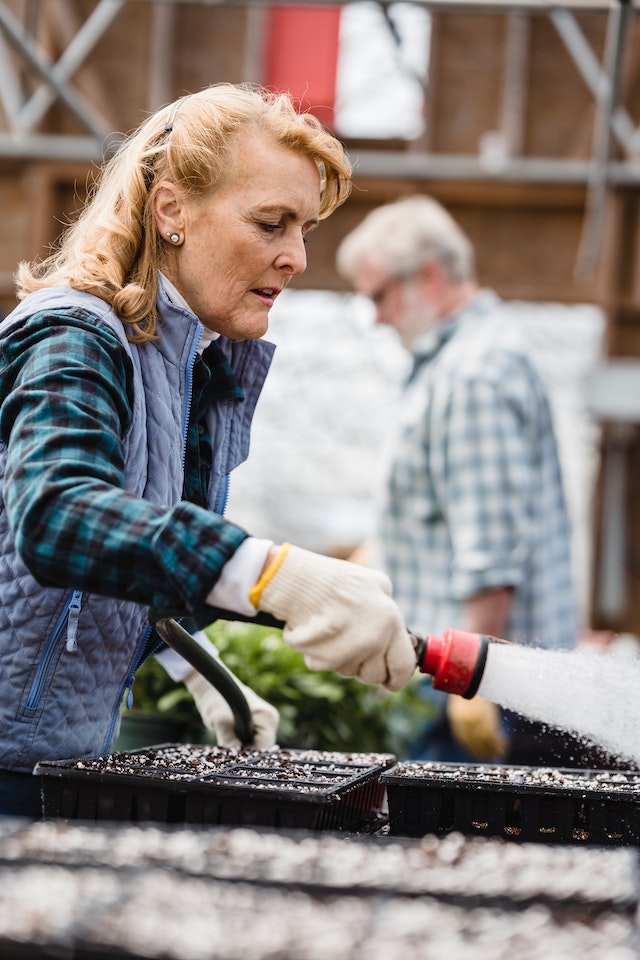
130,683
72,623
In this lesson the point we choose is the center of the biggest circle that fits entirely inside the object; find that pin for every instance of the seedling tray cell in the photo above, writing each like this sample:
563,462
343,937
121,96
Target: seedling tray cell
195,784
526,804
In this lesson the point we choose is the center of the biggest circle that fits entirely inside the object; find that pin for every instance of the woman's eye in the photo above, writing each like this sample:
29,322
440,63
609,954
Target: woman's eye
271,227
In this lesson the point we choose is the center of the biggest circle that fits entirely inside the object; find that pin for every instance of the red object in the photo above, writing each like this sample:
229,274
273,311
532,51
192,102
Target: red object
302,55
456,661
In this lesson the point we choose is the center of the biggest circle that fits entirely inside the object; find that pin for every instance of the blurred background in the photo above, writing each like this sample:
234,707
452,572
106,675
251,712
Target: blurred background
523,119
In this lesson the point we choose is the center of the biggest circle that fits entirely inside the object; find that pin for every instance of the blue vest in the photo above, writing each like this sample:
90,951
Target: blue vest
56,701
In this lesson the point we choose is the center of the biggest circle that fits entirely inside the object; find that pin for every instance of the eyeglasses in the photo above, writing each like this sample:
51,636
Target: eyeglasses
380,295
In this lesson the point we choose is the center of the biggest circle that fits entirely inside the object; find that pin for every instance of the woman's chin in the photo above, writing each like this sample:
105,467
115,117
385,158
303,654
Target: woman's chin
249,331
246,326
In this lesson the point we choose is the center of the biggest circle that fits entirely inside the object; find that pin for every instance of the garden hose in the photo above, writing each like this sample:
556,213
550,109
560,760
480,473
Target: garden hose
213,670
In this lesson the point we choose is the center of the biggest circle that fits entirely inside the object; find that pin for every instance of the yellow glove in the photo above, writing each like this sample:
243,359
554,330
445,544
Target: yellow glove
217,715
339,615
475,726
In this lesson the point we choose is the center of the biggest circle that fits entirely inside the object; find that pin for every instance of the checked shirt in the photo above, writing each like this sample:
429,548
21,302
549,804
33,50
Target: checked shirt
474,496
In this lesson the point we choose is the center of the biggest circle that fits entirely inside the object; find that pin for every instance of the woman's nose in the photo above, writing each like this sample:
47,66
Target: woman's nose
293,256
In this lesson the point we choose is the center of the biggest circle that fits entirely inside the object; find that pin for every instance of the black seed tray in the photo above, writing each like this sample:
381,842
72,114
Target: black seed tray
195,784
533,804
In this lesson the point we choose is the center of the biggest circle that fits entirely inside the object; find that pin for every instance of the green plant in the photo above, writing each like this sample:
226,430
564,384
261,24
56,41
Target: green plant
318,710
155,693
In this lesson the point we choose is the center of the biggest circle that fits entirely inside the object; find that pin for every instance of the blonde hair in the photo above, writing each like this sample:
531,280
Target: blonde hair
113,249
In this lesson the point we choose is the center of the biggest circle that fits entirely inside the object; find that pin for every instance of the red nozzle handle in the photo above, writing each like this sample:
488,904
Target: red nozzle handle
455,661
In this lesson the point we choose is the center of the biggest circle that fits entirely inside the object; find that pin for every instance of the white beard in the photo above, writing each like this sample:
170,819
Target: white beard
418,316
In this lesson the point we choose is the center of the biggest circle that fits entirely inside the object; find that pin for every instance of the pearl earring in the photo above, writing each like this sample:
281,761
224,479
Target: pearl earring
174,237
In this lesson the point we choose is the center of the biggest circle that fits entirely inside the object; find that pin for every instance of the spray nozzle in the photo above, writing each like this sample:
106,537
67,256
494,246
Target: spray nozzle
455,661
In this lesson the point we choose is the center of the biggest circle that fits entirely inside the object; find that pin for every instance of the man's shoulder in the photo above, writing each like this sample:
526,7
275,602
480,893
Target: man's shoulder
487,344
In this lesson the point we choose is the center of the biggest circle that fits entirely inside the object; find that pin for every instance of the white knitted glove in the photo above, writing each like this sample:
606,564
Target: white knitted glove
339,615
217,715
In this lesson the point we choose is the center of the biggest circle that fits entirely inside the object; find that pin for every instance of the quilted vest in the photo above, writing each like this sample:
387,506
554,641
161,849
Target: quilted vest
60,698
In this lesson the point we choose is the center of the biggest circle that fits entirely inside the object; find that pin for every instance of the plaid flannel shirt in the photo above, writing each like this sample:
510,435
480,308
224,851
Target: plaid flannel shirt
474,496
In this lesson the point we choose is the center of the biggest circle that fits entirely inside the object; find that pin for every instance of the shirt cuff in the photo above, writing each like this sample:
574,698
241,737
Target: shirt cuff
176,666
239,574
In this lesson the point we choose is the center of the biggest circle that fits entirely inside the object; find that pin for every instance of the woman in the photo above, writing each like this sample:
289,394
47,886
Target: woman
129,373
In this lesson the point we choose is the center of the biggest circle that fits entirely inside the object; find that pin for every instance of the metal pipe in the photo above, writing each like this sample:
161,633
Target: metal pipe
443,166
487,6
161,67
591,238
611,596
590,70
58,147
10,91
368,163
23,42
514,86
73,56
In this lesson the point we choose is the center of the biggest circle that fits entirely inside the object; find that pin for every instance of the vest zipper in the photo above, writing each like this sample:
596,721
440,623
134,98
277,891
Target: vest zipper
188,393
223,496
72,623
74,599
127,688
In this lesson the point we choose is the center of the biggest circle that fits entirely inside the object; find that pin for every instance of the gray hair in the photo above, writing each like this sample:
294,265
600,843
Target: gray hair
403,236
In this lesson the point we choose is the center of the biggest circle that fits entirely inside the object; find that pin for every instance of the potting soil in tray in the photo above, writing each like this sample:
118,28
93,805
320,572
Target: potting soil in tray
541,804
200,784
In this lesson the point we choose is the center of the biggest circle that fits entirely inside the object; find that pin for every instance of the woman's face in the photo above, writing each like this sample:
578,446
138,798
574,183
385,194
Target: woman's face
243,244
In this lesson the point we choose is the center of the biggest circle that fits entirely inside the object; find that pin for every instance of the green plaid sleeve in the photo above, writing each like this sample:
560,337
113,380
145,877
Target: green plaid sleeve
65,406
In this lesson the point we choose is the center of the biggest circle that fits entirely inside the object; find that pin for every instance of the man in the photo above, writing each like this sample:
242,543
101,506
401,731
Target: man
473,528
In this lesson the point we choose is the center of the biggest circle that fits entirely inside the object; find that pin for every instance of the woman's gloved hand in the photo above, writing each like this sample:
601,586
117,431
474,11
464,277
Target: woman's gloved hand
476,727
217,715
339,615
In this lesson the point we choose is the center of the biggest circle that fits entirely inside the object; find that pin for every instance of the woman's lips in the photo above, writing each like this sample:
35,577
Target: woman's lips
267,294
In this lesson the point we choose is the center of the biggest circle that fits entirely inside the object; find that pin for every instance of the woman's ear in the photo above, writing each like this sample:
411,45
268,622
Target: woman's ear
167,211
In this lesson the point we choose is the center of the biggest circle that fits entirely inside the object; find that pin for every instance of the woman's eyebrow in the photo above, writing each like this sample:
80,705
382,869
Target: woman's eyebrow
285,214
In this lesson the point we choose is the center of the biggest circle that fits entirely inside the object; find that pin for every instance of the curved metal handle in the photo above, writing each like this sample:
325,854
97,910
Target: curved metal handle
213,670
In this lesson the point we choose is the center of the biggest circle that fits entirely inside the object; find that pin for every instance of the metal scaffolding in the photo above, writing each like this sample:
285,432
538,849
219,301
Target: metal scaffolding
31,83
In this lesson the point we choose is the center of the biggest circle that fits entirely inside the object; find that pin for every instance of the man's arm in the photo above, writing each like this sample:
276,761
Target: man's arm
488,611
476,723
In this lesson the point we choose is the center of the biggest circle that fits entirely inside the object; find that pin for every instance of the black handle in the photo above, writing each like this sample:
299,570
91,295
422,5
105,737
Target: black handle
213,670
420,647
261,619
